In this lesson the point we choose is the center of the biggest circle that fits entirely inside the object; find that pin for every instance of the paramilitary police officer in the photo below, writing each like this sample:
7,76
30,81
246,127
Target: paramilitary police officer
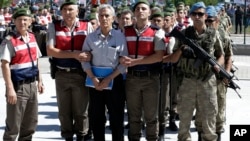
65,41
213,21
19,57
199,82
146,49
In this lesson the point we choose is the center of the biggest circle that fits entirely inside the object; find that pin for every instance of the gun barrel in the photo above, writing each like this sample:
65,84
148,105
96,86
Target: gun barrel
203,55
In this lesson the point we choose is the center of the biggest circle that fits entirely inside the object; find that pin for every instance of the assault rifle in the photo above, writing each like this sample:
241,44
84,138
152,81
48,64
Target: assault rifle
204,56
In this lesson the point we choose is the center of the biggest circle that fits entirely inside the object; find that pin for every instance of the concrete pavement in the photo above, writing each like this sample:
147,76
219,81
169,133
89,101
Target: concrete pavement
238,110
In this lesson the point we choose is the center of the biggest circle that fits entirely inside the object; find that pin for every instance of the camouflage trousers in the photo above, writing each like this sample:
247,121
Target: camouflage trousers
200,95
221,99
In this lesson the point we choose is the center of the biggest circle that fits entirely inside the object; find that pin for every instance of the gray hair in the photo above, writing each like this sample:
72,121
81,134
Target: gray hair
107,6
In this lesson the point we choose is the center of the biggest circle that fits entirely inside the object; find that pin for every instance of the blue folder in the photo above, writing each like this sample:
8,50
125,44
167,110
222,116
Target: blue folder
100,73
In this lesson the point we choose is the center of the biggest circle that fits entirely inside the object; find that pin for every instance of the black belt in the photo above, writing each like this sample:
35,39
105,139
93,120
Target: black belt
72,70
143,73
25,81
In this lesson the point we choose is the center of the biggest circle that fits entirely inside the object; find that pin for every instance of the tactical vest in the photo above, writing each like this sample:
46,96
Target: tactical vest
70,41
21,64
189,65
141,46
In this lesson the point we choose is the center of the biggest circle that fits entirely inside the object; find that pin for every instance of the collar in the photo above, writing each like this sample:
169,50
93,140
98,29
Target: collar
146,26
99,33
76,24
143,29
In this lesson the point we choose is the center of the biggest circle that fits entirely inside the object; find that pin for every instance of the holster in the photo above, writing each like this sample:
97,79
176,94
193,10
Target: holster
53,68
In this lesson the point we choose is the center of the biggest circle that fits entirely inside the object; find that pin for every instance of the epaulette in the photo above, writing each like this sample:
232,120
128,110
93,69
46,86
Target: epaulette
10,35
154,27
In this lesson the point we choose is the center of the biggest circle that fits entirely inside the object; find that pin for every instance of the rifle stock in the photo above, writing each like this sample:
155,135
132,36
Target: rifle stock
203,55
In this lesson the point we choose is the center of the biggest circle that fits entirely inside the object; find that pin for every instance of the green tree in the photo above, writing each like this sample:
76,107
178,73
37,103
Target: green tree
207,2
4,3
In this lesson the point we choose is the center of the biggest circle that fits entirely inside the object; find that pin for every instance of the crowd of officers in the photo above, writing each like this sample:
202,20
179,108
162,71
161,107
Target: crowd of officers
155,76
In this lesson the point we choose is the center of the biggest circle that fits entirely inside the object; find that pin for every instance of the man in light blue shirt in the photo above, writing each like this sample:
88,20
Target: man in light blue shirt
106,45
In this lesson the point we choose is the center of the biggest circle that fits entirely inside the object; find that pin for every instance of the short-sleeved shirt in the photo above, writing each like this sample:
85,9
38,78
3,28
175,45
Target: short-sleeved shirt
105,50
51,34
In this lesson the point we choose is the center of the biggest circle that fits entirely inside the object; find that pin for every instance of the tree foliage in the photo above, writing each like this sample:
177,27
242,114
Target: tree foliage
4,3
190,2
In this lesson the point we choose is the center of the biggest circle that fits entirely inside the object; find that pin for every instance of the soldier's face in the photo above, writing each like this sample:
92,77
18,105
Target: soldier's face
198,16
125,19
94,23
158,21
167,22
69,12
22,23
142,11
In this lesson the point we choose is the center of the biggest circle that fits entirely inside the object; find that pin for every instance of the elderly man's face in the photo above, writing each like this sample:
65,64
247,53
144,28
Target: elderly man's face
106,18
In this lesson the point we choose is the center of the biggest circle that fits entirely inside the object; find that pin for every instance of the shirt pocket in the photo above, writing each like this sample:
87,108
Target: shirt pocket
112,53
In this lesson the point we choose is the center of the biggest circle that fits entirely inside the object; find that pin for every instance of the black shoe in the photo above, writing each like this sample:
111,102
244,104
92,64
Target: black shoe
143,126
161,131
80,138
88,136
69,139
173,126
127,126
199,136
161,138
218,136
222,130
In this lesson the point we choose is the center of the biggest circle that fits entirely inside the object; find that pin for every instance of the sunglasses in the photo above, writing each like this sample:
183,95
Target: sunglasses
200,14
209,20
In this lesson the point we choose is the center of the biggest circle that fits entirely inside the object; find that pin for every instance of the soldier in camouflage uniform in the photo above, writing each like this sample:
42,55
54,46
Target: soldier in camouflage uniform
225,20
199,87
213,21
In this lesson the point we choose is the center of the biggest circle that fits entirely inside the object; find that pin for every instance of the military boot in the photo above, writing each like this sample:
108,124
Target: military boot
218,136
69,139
89,135
161,133
79,138
172,124
199,136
